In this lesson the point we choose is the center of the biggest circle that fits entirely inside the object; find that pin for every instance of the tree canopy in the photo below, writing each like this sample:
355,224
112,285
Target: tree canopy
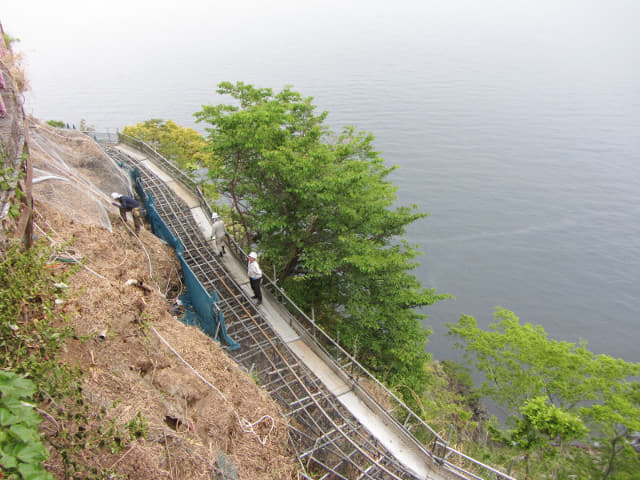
322,211
184,146
556,391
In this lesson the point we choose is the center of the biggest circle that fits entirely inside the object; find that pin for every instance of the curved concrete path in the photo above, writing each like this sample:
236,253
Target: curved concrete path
403,447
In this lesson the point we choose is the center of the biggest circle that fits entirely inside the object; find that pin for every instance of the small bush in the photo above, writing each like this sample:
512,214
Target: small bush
27,294
56,123
21,450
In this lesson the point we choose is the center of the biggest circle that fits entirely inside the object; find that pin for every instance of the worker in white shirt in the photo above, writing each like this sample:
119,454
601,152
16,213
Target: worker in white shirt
218,234
255,276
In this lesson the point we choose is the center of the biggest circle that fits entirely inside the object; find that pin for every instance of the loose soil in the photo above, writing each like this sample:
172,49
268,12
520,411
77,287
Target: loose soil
206,418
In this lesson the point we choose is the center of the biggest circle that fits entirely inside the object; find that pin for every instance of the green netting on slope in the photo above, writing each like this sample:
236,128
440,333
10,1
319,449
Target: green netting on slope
202,307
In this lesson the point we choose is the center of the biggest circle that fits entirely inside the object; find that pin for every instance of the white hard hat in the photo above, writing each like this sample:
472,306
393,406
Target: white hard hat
215,216
253,255
115,195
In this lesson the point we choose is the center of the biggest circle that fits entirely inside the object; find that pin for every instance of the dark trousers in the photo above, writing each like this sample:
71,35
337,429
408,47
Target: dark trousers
255,286
135,214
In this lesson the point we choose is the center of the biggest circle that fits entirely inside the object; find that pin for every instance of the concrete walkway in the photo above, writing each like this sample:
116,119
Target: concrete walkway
403,447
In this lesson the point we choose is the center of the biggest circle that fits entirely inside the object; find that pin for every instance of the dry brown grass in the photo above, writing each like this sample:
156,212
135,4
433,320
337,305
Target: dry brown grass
15,64
134,362
134,359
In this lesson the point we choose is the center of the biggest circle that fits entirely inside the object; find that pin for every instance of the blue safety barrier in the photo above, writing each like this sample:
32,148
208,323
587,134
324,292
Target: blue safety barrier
202,307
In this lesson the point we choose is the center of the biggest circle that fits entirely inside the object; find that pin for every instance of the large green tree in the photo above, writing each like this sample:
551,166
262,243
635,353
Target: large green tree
521,366
322,210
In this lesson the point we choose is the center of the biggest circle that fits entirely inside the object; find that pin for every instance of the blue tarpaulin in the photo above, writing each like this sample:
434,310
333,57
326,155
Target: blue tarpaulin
202,307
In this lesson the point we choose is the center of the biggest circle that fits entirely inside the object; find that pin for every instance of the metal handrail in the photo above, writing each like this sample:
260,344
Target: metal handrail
102,137
316,329
308,325
439,443
169,168
166,165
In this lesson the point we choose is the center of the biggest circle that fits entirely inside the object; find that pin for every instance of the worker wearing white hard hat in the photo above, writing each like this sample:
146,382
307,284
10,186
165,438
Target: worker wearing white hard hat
255,276
128,204
218,234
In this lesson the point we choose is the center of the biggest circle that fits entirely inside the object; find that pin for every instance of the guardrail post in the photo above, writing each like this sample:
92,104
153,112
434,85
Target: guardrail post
445,447
355,350
217,314
434,453
274,282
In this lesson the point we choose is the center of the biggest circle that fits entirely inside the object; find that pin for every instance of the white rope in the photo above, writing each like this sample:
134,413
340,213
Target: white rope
74,177
146,253
68,253
63,240
245,425
71,172
78,260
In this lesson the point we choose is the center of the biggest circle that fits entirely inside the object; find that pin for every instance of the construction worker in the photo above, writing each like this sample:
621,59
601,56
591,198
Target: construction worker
128,204
255,276
218,234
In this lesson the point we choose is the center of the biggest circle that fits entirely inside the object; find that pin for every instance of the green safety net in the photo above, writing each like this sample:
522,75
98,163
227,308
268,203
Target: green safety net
202,307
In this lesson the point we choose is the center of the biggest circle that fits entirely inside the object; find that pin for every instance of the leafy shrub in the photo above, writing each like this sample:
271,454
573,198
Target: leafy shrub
56,123
27,294
21,450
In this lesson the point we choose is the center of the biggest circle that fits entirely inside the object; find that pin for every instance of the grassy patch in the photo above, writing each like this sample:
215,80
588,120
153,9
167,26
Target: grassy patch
33,332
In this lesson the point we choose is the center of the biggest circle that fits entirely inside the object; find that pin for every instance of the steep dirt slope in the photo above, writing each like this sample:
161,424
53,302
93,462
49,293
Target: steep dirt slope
203,413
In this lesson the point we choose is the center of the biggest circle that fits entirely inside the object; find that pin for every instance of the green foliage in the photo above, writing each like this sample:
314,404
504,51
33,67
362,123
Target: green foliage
210,192
138,426
31,341
83,428
448,400
541,422
521,366
322,209
8,181
27,294
9,178
56,123
21,450
184,146
9,41
545,430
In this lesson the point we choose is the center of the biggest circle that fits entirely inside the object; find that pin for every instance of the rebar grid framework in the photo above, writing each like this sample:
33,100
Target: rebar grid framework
328,441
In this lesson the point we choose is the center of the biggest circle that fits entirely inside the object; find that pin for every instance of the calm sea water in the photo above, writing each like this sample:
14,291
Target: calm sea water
515,124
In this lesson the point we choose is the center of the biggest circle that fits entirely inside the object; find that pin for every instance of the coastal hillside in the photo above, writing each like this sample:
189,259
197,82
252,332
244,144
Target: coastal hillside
149,397
138,361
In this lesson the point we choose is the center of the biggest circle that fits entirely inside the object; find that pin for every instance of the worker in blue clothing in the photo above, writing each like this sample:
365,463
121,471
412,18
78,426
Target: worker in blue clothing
128,204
